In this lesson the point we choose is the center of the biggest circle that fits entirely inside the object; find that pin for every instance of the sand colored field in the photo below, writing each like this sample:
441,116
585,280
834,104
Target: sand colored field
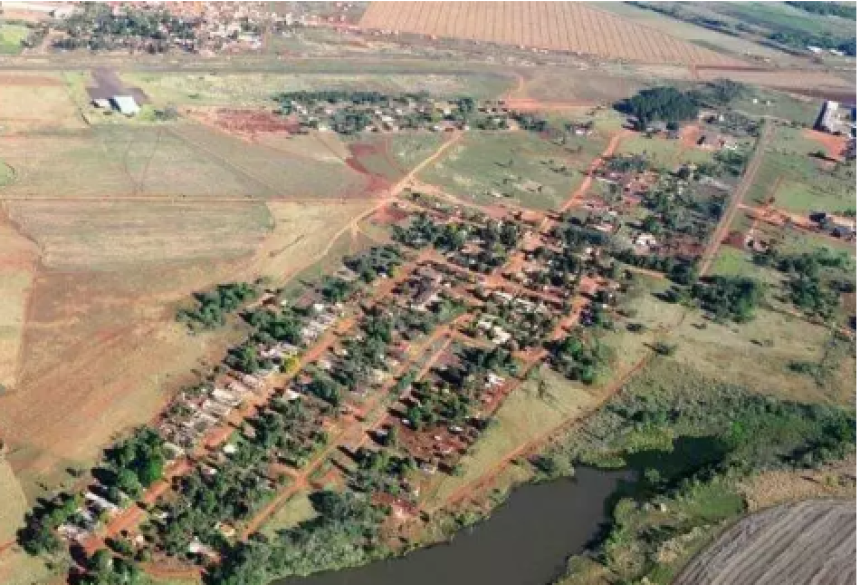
560,26
34,103
13,504
96,235
18,259
809,542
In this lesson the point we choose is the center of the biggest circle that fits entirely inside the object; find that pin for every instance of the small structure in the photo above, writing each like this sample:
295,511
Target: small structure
125,104
828,118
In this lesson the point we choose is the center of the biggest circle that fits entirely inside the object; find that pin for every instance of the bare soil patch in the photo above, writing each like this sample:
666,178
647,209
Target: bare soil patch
22,80
809,542
833,145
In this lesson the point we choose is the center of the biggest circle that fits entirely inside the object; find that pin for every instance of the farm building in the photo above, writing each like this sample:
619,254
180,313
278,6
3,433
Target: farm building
125,104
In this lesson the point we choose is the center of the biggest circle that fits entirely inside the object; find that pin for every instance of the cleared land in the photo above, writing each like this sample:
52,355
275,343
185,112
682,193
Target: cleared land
518,167
130,234
257,89
182,161
36,103
558,26
809,542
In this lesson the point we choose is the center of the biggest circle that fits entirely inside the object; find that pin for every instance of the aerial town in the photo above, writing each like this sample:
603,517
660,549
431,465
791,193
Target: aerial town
290,292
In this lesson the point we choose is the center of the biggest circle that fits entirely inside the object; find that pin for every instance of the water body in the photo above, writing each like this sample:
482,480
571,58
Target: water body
526,541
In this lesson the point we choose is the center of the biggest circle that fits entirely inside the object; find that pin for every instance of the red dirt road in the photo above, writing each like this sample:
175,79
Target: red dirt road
589,174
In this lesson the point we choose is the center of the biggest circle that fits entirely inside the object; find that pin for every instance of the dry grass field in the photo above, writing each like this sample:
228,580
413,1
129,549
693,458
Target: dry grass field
808,542
558,26
36,103
97,235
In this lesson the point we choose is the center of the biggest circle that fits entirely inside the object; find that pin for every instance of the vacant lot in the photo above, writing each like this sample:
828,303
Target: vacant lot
664,153
590,86
297,509
797,180
520,167
181,161
757,355
257,89
129,234
809,542
559,26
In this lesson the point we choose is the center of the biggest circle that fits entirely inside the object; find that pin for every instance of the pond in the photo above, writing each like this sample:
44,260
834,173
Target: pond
526,541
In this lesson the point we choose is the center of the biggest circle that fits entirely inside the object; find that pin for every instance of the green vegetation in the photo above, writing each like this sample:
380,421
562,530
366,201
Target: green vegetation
12,38
727,297
581,358
691,440
213,306
841,9
660,103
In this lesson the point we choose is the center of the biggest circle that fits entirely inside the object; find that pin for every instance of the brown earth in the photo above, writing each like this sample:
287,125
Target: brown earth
832,144
8,79
808,542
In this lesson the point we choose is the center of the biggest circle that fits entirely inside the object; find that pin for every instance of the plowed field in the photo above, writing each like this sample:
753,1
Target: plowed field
809,542
558,26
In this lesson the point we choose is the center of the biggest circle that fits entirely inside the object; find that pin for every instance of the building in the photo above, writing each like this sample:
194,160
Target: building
828,119
125,104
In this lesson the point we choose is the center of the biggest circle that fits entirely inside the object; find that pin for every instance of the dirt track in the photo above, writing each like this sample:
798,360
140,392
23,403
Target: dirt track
809,542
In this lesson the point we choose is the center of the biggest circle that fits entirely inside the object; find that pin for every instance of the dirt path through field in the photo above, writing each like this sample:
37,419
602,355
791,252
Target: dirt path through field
722,229
589,174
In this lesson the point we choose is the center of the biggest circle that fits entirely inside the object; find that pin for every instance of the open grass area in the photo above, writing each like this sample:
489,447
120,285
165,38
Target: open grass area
757,355
19,568
128,234
664,153
589,86
255,89
772,103
515,166
181,161
11,37
294,511
798,181
13,505
410,149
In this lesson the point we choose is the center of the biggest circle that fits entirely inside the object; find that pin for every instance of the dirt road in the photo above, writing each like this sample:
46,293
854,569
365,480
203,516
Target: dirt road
589,174
722,228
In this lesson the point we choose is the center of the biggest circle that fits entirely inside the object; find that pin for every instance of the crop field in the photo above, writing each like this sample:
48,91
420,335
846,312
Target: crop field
520,167
186,160
36,103
807,542
697,35
257,89
557,26
128,234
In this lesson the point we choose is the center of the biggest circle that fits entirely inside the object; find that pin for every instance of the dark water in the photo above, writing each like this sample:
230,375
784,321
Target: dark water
526,541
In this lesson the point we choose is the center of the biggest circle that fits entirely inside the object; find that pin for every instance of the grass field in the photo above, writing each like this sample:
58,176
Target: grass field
757,354
590,86
257,89
130,234
13,505
297,509
182,161
11,36
518,166
667,154
798,181
411,149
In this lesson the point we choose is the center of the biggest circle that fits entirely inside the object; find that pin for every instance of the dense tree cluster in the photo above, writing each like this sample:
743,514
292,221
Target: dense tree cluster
581,357
840,9
659,103
726,297
213,306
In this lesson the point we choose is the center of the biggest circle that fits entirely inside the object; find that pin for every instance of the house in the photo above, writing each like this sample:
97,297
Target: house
828,117
645,240
125,104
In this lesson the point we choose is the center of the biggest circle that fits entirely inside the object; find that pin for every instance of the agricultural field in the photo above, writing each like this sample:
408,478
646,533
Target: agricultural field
172,161
550,25
522,168
808,542
258,89
36,103
128,234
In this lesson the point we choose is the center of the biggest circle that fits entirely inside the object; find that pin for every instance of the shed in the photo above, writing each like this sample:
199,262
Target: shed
126,105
